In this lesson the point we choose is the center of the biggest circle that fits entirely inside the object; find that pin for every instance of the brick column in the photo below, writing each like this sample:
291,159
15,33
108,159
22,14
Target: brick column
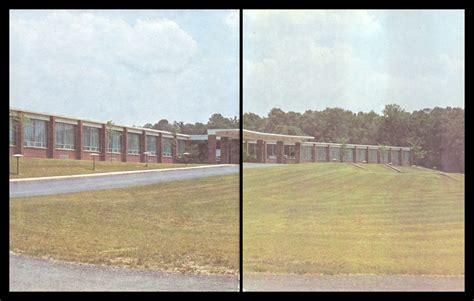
400,157
79,140
225,148
124,144
103,140
51,137
211,149
142,146
234,151
159,148
313,150
328,153
367,155
279,151
389,155
298,152
260,151
19,134
354,154
264,155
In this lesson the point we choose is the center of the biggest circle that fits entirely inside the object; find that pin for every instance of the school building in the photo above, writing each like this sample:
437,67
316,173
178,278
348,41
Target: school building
275,148
39,135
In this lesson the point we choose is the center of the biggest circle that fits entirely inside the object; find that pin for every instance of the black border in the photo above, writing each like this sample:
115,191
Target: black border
241,169
4,284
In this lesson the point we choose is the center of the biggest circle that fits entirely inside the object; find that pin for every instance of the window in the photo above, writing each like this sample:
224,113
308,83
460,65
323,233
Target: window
321,153
151,145
372,155
306,153
167,147
395,156
12,131
65,136
35,133
349,154
90,139
290,151
181,146
406,158
335,154
271,151
115,142
133,142
252,149
361,153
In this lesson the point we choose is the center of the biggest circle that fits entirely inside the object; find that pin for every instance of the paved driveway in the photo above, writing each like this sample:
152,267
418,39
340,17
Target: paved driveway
269,282
29,274
114,180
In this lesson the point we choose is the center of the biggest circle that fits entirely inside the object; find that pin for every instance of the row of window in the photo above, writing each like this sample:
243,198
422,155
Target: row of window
35,135
289,150
321,153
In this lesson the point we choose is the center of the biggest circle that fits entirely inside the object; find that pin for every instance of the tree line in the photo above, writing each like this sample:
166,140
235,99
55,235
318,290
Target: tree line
435,135
197,151
216,121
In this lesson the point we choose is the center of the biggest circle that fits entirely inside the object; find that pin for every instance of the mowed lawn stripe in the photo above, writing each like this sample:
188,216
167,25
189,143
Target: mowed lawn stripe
337,219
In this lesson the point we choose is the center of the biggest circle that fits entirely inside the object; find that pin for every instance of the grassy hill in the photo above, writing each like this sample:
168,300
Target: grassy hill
336,218
186,226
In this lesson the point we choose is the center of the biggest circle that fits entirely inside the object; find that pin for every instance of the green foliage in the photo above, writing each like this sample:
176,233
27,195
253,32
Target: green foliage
109,128
437,134
343,152
20,120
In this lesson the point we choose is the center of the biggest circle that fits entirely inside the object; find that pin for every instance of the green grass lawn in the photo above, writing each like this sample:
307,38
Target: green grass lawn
36,167
186,226
334,218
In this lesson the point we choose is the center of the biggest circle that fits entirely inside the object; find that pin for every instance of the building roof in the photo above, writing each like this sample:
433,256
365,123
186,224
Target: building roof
252,135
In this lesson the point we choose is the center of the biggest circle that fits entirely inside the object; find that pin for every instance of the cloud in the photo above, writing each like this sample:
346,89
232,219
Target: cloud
96,67
148,45
232,19
299,60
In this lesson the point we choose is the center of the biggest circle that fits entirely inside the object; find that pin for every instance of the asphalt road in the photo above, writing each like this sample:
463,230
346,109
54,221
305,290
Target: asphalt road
129,179
268,282
30,274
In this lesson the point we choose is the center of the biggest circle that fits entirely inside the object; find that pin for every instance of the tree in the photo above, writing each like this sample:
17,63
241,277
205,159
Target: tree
394,127
217,121
383,151
20,121
418,151
109,128
343,149
163,125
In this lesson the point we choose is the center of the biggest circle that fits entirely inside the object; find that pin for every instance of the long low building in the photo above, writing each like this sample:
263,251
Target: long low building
40,135
275,148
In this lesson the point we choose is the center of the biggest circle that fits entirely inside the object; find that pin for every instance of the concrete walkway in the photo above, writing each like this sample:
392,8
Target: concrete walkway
68,184
270,282
29,274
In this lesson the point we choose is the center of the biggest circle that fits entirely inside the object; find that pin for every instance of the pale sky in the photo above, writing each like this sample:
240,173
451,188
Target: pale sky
357,60
131,67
